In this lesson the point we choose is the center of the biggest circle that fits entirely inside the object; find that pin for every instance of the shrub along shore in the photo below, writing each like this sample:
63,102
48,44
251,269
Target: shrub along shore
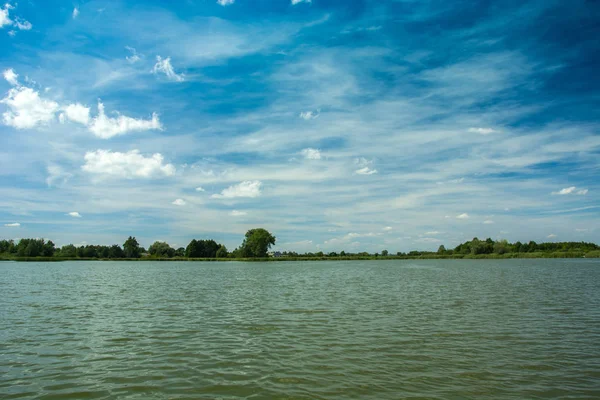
257,242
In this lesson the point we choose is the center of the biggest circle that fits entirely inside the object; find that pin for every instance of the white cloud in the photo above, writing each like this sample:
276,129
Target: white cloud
105,127
353,235
244,189
4,18
126,165
551,236
482,131
75,12
308,115
27,109
365,166
179,202
236,213
488,222
366,171
11,76
134,57
463,216
225,2
74,214
165,67
23,25
78,113
387,228
311,154
432,233
294,2
572,190
13,225
200,189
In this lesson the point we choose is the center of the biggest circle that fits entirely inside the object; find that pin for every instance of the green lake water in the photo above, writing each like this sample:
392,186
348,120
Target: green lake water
436,329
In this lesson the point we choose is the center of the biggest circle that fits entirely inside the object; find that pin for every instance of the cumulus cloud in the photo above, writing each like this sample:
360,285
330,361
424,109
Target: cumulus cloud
387,228
294,2
13,225
200,189
18,23
488,222
26,109
134,57
126,165
482,131
165,67
225,2
23,25
311,154
243,189
74,214
105,127
77,113
236,213
4,17
11,76
551,236
308,115
179,202
432,233
463,216
75,12
582,192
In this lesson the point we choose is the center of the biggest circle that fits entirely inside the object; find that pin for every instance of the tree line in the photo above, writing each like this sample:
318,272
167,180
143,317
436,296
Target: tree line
256,243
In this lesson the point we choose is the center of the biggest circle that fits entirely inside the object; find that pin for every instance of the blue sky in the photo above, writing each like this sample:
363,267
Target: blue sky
337,125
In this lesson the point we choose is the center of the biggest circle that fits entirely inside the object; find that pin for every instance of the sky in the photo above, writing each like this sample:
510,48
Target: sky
336,125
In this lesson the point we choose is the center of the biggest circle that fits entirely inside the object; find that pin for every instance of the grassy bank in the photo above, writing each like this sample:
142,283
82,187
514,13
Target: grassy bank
592,254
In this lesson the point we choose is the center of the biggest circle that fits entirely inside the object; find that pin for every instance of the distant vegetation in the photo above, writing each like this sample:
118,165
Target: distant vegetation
257,243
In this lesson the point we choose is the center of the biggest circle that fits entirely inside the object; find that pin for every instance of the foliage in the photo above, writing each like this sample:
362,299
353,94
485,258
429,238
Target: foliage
202,249
222,252
132,248
257,243
161,249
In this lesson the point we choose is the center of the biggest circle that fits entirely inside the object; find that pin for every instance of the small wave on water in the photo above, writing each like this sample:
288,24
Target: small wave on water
356,330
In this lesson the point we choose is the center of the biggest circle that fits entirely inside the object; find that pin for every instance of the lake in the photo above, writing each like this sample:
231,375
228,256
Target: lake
441,329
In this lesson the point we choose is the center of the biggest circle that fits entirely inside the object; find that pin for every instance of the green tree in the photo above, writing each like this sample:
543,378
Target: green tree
441,249
385,253
132,248
257,243
222,252
68,250
501,247
161,249
115,251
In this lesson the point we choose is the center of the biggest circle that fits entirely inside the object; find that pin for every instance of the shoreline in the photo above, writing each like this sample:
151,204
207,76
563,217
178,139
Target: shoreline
288,259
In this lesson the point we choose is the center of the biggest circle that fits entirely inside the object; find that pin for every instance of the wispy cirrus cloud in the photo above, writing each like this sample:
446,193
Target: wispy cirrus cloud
163,66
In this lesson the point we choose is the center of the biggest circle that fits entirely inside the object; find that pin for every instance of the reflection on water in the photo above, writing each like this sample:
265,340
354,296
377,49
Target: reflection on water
373,329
